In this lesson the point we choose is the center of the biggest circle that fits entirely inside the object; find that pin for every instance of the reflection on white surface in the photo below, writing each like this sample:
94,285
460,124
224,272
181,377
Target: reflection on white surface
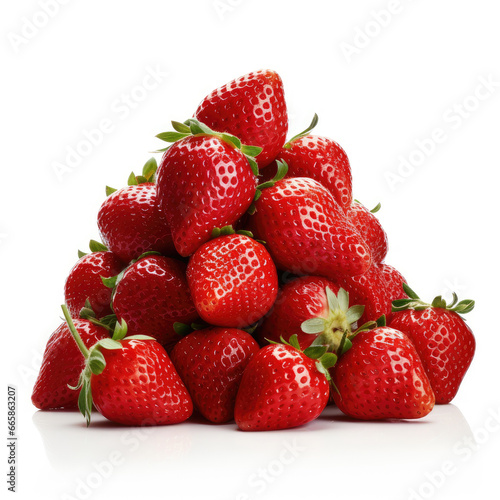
221,462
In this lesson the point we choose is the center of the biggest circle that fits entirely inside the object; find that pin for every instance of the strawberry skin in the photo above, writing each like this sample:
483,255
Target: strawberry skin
281,388
307,232
370,229
203,183
299,300
130,223
84,282
321,159
233,281
376,289
211,363
139,386
381,376
152,295
62,364
445,343
253,109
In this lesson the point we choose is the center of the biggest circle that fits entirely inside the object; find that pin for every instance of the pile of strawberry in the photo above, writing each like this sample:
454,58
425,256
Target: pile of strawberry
224,282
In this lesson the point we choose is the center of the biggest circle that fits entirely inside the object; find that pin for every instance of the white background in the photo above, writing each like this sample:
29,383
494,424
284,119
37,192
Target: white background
406,79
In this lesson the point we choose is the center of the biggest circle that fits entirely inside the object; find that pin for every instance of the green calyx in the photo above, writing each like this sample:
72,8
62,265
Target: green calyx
375,209
336,329
416,303
182,329
94,246
108,322
313,124
148,175
192,127
95,363
281,171
228,230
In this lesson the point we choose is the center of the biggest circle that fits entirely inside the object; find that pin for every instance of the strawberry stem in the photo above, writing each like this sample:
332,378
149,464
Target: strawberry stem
74,332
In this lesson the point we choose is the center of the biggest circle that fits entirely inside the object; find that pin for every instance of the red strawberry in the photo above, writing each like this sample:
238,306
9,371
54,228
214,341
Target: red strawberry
252,108
445,343
152,295
131,223
376,289
204,182
211,362
307,232
281,388
62,364
303,299
130,381
84,282
233,281
381,376
323,160
370,229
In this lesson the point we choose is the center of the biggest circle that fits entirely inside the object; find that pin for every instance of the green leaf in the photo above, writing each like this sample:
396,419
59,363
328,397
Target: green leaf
375,209
97,363
182,329
323,370
243,232
140,337
313,124
231,140
410,292
132,180
197,127
343,300
354,313
96,246
81,254
294,341
110,344
439,302
345,346
171,136
109,282
313,325
328,360
464,306
251,150
315,352
181,127
282,169
253,165
382,321
333,302
120,330
85,401
110,190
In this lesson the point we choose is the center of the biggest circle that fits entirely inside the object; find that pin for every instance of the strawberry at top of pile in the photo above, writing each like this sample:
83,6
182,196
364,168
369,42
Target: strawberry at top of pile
239,278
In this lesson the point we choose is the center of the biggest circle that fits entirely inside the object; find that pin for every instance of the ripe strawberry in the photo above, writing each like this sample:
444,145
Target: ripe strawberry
307,232
300,301
252,108
444,342
130,381
211,362
381,376
152,295
62,364
376,289
282,388
84,282
370,229
204,181
131,222
323,160
233,281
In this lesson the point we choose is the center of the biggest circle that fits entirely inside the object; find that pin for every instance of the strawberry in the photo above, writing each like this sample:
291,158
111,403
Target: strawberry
131,222
381,376
205,180
61,365
84,281
233,281
282,387
370,229
306,298
130,381
252,108
307,232
375,289
152,295
211,362
444,342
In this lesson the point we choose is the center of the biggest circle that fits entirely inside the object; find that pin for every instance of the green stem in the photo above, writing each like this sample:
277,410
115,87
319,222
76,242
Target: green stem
74,332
